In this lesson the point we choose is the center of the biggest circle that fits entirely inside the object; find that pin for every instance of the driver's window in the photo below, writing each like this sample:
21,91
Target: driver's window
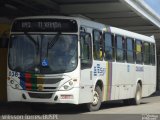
86,51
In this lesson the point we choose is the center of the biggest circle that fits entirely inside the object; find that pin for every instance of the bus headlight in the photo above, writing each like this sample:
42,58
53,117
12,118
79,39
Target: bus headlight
14,84
67,86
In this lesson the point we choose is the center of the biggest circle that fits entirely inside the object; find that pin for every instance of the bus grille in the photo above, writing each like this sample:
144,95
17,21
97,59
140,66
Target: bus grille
52,81
41,95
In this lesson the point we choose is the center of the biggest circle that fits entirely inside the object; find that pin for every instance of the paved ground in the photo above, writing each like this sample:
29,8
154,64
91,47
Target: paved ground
148,106
111,110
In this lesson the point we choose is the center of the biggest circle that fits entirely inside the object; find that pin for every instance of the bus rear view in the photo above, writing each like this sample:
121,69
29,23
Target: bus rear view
43,61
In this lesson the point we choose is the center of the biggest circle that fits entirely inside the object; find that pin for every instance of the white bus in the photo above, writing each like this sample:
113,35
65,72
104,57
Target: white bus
73,60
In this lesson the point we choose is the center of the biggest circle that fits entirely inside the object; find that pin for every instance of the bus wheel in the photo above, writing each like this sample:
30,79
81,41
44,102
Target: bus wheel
138,96
97,99
137,99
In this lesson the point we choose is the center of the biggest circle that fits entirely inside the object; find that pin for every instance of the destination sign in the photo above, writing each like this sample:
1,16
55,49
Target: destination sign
44,25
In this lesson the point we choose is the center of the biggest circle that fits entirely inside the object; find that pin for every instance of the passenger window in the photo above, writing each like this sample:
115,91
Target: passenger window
152,55
146,54
130,50
86,50
138,50
120,49
97,45
108,47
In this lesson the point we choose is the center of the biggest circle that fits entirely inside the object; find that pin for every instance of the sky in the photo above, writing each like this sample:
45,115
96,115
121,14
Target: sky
154,4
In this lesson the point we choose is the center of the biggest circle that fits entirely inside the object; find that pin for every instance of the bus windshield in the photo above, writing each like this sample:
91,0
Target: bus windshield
35,54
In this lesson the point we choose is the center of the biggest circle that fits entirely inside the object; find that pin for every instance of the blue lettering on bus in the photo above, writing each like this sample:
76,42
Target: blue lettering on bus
128,68
95,71
99,71
98,68
139,69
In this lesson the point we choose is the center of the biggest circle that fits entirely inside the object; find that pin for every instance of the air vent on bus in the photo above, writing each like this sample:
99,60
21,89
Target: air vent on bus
52,80
40,95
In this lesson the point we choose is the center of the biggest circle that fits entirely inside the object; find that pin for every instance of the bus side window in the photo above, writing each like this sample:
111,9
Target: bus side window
97,45
152,53
108,46
120,49
138,52
86,50
146,55
130,50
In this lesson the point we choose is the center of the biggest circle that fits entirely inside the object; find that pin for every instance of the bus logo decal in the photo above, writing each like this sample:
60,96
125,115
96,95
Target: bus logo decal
31,82
44,62
139,69
99,71
40,87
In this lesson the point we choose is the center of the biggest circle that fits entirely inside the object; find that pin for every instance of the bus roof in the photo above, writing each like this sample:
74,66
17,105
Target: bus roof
80,20
130,34
96,25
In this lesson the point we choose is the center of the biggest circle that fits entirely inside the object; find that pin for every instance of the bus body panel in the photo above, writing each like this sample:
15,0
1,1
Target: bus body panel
119,79
17,94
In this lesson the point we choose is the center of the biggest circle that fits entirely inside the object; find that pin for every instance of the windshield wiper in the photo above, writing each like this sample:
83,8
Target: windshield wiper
35,43
52,42
31,38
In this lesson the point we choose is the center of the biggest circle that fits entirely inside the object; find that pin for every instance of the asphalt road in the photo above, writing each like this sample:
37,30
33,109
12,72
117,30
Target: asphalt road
116,110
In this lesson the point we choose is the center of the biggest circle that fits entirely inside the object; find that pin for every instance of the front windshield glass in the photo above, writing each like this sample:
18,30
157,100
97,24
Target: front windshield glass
35,54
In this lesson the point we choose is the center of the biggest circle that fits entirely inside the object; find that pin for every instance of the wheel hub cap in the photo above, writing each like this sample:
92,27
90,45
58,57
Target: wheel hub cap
95,98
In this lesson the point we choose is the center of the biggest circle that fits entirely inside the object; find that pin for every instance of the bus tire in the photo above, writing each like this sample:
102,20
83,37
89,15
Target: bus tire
137,99
97,100
138,95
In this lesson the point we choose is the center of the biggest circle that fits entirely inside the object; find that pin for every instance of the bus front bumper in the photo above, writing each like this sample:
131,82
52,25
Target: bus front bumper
70,96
